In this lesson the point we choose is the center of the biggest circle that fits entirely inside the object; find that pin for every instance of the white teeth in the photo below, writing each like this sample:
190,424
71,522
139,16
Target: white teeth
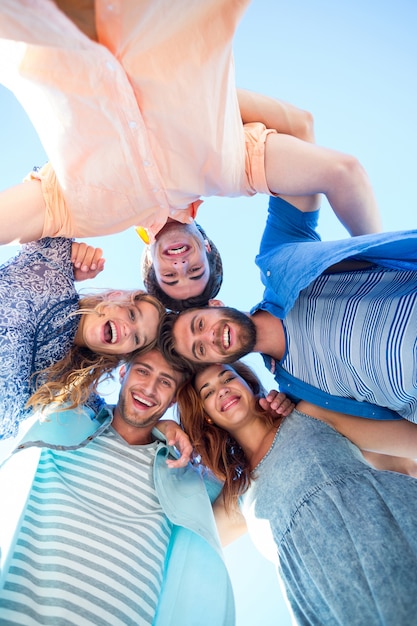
226,406
177,250
226,337
142,400
113,332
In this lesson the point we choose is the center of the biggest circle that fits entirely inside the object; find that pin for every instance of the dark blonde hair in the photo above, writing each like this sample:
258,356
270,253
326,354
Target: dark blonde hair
73,378
218,450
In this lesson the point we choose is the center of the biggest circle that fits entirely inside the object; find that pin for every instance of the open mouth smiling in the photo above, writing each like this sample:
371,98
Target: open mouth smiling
177,250
229,403
226,337
111,334
142,401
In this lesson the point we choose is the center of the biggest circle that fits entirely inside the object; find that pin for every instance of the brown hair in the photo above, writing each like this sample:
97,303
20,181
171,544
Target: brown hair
210,291
218,450
166,344
73,378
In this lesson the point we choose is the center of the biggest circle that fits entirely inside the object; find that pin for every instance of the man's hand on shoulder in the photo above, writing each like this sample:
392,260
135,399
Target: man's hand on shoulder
176,437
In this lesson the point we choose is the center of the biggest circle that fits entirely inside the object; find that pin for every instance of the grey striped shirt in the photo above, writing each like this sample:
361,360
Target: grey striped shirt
93,542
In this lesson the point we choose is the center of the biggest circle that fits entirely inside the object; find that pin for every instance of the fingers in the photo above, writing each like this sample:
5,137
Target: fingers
87,261
86,258
277,402
183,446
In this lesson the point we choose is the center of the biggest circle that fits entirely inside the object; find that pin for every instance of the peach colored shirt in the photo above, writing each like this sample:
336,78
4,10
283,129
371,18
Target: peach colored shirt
139,128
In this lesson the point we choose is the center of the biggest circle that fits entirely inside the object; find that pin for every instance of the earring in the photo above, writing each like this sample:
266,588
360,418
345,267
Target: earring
208,420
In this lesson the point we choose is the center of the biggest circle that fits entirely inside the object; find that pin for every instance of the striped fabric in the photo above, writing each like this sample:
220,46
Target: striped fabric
354,335
93,542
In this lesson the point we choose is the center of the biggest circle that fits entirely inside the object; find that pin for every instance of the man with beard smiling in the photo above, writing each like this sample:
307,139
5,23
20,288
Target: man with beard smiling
337,324
131,537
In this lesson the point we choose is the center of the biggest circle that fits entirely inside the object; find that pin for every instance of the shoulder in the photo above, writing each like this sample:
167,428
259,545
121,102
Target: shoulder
289,223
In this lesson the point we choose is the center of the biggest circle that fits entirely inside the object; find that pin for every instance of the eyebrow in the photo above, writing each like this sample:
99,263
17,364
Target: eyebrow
218,376
151,369
175,282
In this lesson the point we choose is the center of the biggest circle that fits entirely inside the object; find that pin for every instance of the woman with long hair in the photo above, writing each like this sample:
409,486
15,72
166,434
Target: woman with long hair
341,532
56,343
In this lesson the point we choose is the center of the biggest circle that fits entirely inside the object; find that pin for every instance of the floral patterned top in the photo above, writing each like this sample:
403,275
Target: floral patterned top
37,295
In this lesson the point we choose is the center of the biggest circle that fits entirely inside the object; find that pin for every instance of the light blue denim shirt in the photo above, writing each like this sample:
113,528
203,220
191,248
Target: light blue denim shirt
292,255
196,587
344,532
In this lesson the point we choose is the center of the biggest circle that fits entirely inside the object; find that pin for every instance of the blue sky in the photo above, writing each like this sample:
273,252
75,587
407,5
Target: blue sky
353,65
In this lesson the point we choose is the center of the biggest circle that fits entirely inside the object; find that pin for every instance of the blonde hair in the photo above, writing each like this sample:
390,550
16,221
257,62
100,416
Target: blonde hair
218,450
75,377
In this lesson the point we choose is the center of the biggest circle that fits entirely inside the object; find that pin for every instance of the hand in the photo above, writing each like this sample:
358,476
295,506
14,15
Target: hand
175,436
87,261
278,403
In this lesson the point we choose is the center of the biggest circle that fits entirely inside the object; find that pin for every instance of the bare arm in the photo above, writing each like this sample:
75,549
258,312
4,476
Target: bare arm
22,211
277,114
299,168
394,438
392,463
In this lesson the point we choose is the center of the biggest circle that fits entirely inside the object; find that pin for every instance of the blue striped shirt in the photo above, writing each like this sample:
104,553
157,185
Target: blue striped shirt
354,335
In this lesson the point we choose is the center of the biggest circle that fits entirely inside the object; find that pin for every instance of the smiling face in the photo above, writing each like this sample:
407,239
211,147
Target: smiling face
226,397
179,257
119,329
149,385
214,335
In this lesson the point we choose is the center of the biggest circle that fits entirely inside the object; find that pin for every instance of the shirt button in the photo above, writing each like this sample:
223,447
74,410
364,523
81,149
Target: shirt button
147,163
268,273
110,66
132,124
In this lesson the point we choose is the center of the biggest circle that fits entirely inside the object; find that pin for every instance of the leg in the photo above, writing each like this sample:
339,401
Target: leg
295,167
22,210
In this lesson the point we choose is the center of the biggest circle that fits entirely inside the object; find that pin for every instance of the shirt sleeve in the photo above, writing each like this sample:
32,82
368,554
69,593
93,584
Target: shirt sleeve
32,283
287,224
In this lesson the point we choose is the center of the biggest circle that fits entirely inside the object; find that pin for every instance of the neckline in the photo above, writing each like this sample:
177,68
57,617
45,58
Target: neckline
268,451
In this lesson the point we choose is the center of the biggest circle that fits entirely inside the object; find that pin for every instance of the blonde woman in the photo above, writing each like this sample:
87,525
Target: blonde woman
45,324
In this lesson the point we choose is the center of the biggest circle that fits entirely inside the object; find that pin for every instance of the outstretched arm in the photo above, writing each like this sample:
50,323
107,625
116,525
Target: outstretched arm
392,463
297,168
277,114
394,438
22,211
